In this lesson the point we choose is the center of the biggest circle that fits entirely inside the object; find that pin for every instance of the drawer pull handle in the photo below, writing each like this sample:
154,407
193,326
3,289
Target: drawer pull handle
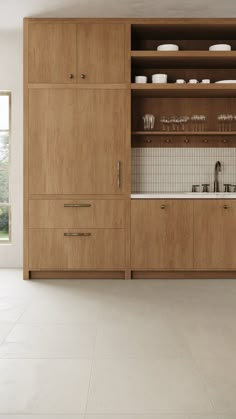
118,173
163,206
77,205
77,234
226,206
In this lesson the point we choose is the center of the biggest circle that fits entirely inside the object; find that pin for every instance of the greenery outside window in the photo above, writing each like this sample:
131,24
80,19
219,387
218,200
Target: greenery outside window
5,127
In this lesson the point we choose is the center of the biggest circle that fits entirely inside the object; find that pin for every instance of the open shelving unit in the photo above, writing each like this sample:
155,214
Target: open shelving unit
193,60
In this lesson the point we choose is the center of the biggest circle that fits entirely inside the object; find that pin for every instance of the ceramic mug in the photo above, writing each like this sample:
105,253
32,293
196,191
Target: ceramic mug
205,81
193,81
140,79
159,78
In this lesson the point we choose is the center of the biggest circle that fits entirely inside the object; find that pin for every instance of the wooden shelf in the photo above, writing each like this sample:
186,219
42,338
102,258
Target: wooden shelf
183,90
183,133
188,59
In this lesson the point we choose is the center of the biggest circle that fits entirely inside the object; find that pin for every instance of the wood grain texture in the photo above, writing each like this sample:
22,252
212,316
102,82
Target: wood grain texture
80,155
52,53
49,249
77,274
99,214
25,157
101,53
161,238
214,235
197,274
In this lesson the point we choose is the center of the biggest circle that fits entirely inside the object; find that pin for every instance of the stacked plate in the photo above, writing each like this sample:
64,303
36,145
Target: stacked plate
168,47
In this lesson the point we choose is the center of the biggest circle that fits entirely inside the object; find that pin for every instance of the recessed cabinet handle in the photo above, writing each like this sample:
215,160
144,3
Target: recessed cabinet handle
77,234
226,206
71,76
77,205
118,174
162,206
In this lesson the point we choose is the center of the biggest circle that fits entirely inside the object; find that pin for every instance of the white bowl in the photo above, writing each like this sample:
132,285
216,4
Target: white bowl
168,47
220,47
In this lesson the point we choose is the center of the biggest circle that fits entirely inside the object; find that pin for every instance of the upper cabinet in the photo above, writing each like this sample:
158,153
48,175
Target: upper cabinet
76,53
51,52
101,53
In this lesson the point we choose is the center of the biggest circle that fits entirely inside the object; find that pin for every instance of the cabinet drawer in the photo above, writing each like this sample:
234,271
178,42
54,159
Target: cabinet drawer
59,249
76,213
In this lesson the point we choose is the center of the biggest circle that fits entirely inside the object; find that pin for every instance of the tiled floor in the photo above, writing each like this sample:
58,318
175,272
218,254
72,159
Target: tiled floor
96,349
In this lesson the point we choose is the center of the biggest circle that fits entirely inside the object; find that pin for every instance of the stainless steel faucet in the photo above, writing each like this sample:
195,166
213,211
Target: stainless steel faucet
216,176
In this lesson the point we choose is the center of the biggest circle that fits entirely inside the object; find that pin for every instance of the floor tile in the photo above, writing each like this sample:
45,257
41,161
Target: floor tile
63,309
158,416
44,386
12,308
59,416
5,329
139,339
134,386
47,340
220,376
210,339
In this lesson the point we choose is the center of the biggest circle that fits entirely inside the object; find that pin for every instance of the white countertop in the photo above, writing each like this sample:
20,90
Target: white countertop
185,195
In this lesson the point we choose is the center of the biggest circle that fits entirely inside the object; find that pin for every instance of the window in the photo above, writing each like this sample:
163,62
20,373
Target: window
5,108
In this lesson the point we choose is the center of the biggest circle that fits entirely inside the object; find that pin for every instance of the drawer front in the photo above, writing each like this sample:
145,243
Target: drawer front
76,213
59,249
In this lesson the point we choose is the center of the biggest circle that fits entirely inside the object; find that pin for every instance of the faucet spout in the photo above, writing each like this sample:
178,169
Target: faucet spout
216,176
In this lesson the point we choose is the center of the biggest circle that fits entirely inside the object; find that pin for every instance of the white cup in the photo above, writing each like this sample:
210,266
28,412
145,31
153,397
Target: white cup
140,79
193,81
180,81
159,78
205,81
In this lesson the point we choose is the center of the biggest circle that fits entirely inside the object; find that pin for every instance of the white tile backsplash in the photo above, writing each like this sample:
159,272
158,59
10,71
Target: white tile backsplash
177,169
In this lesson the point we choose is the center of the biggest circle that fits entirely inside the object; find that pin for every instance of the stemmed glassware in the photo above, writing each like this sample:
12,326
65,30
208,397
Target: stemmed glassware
225,121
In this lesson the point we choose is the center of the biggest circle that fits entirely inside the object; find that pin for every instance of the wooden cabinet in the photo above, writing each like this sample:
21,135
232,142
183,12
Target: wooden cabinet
77,141
59,249
76,213
82,53
51,53
214,235
101,53
161,234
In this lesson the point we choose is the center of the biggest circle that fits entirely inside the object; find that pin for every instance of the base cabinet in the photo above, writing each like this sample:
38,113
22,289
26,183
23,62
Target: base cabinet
214,235
189,235
73,249
161,234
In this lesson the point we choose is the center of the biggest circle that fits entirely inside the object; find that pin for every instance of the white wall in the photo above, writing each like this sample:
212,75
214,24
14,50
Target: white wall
11,78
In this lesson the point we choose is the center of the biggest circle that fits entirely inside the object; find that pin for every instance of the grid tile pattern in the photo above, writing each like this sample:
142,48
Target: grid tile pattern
177,169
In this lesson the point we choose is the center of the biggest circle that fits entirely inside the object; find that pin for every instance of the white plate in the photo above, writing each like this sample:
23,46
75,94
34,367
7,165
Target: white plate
168,47
220,47
226,81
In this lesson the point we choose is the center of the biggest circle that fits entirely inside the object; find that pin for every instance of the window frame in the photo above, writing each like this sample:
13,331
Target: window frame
8,204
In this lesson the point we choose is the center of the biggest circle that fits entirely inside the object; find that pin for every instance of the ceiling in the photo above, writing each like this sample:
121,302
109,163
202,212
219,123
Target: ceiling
13,11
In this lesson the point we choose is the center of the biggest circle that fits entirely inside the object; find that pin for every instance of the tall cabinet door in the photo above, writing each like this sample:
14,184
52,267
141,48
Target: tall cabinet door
101,53
77,141
51,53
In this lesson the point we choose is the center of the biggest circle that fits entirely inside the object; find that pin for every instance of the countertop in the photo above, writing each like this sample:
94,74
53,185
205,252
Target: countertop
185,195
